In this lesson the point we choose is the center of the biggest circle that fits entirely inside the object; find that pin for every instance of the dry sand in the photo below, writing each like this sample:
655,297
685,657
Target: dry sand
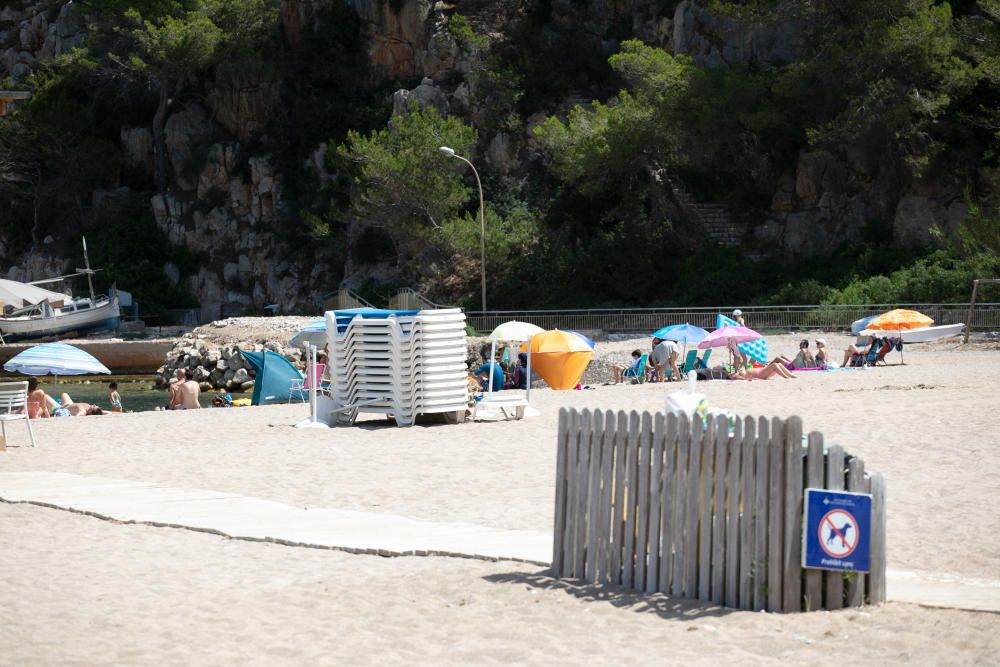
76,590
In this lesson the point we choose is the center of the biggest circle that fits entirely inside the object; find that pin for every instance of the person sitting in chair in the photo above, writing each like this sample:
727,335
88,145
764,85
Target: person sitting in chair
804,359
488,369
519,378
634,371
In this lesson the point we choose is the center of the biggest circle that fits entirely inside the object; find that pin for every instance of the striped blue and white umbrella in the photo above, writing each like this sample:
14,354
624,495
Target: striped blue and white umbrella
55,359
313,333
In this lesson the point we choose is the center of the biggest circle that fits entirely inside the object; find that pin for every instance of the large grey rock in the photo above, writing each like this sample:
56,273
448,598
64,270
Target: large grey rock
184,131
818,172
501,154
713,38
427,94
244,101
915,217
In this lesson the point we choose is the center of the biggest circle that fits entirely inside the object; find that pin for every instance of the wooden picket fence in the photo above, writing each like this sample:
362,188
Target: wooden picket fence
661,503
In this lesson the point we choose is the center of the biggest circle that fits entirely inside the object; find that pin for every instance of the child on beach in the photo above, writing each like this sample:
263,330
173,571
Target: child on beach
114,397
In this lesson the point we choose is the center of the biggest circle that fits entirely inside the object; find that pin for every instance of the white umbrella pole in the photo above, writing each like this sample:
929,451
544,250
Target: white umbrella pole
311,369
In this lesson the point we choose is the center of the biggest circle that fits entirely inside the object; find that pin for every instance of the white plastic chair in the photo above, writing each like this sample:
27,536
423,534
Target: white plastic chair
13,406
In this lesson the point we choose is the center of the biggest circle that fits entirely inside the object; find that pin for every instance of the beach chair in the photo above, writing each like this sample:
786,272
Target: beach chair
703,362
640,374
875,355
690,361
301,386
14,406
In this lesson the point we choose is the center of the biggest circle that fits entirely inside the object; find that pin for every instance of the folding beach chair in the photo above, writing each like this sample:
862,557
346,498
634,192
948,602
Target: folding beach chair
690,361
301,386
638,372
14,406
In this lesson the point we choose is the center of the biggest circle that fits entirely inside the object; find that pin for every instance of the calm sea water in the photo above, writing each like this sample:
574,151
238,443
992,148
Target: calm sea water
138,392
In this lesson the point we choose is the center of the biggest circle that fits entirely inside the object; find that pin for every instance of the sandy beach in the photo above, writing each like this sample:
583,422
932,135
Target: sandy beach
78,590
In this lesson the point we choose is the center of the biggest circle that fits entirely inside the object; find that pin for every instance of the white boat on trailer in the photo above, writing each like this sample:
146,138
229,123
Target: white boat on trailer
921,335
32,312
46,319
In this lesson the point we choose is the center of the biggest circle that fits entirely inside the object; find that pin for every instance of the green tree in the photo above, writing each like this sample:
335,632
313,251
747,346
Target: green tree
168,52
404,184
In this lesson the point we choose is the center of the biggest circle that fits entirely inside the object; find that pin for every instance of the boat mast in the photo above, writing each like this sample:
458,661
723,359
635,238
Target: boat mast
87,270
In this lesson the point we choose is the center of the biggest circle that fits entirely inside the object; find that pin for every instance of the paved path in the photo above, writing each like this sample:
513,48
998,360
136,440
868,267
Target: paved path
246,518
256,519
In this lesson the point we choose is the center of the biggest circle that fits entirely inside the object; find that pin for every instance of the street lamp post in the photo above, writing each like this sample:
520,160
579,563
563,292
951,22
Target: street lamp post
482,219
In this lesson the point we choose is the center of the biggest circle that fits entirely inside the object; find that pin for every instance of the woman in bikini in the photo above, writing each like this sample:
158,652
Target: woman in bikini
765,373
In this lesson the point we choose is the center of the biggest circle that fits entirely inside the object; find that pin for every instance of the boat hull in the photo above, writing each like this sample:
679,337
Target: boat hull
102,317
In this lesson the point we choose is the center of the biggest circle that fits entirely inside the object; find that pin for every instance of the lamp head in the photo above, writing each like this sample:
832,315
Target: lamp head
450,152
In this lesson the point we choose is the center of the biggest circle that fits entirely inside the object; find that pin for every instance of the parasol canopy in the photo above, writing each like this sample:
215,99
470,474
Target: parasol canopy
313,333
560,357
588,341
515,331
900,319
720,337
55,359
681,333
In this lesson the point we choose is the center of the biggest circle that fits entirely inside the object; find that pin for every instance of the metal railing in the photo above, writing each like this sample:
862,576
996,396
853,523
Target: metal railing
986,316
408,299
344,299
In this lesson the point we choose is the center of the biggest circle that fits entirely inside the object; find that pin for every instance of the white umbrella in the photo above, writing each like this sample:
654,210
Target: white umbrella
515,332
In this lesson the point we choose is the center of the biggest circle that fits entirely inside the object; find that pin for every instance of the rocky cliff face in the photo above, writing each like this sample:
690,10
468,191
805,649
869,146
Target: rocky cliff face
226,191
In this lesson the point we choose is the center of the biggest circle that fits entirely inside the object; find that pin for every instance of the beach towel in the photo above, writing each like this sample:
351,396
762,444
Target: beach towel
755,349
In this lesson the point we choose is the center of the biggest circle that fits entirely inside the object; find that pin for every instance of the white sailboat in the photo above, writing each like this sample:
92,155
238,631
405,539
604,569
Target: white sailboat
30,311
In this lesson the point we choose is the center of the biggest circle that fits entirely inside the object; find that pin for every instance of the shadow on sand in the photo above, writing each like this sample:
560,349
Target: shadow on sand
654,603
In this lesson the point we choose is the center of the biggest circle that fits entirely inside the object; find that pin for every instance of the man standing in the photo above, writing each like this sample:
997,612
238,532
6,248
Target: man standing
665,353
184,393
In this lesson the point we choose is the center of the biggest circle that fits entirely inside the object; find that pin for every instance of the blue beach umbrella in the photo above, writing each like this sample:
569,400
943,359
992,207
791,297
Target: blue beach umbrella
681,333
313,333
55,359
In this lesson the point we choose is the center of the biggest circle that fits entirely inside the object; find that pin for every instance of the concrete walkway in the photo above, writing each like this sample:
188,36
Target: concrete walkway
246,518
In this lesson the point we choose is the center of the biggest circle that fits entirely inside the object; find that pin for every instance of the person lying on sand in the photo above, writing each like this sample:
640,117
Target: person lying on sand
765,373
70,408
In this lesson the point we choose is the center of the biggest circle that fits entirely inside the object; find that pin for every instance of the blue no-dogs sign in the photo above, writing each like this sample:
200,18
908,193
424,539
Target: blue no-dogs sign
837,530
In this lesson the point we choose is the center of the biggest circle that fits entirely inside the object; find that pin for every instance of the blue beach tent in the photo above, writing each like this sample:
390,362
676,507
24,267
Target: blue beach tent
274,377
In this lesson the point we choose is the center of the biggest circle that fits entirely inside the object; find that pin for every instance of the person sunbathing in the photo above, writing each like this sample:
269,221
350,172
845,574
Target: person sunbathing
618,370
765,373
855,352
40,404
74,409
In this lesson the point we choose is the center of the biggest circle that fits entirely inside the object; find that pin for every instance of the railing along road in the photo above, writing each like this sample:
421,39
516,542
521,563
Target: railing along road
986,317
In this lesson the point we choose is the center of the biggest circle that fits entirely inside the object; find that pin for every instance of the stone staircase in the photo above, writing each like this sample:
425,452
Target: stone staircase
579,98
714,219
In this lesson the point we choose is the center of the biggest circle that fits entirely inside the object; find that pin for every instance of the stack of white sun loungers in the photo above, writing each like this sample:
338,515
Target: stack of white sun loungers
399,366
